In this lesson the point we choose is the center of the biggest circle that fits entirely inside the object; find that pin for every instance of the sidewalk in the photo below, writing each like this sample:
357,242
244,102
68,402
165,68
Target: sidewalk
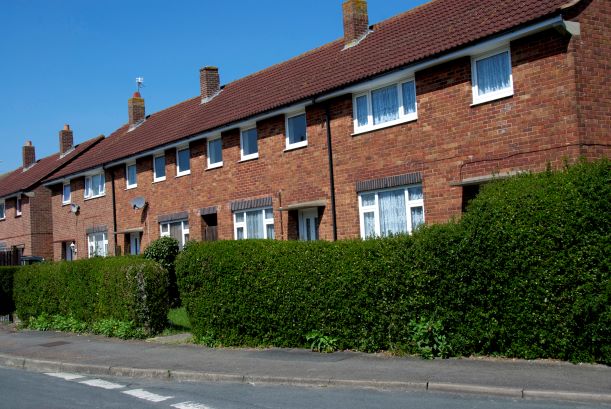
60,352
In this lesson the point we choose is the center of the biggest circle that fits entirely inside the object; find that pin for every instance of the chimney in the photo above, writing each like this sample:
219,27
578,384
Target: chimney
29,155
209,83
356,21
135,108
66,140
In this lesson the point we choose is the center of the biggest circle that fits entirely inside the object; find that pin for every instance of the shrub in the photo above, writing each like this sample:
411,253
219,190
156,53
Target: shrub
128,289
164,251
7,305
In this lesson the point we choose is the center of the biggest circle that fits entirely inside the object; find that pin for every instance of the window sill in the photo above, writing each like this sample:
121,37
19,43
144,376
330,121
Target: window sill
385,125
179,175
158,180
131,187
296,146
94,197
66,204
248,158
495,97
215,166
17,216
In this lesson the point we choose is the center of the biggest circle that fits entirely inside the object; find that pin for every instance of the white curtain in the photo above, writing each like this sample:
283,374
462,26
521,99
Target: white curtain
415,193
385,104
254,225
361,111
493,73
393,218
409,97
370,224
100,245
417,217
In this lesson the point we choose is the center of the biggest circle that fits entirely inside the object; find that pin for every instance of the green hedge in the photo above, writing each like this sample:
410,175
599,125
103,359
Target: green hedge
524,274
128,289
7,305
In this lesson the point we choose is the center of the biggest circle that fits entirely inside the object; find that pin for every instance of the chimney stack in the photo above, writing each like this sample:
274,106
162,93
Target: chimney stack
135,108
356,21
66,140
29,155
209,83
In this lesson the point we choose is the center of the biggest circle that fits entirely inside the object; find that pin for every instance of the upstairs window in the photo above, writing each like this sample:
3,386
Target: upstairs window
131,176
296,131
254,224
215,153
159,168
66,194
94,186
385,106
491,76
2,210
183,161
249,146
18,207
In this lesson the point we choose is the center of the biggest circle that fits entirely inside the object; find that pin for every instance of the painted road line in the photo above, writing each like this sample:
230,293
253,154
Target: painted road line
190,405
98,383
65,376
142,394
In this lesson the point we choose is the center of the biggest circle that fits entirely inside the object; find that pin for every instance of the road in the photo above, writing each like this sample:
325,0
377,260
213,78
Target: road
20,390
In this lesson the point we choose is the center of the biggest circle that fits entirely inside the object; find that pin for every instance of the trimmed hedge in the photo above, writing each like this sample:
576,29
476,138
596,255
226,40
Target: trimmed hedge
164,251
7,304
524,274
128,289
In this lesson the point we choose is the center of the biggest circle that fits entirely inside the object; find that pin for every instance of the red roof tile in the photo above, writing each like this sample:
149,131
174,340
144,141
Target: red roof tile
20,181
426,31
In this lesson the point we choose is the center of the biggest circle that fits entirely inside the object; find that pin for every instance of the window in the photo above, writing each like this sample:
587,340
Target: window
296,131
94,186
215,153
386,106
2,210
248,142
66,193
178,230
491,76
18,207
392,211
131,178
97,244
254,224
159,168
183,162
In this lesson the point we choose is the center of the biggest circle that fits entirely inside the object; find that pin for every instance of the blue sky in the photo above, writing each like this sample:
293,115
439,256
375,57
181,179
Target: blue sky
75,61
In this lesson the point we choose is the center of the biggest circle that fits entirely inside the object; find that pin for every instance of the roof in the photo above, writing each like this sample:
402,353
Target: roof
20,180
432,29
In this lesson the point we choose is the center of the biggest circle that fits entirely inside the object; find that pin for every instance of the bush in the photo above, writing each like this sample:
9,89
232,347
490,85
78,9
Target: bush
164,251
7,305
127,289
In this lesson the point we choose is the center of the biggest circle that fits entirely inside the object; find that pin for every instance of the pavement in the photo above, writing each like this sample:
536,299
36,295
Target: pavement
170,360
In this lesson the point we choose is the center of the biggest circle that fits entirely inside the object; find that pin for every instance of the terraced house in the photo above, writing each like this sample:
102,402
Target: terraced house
394,125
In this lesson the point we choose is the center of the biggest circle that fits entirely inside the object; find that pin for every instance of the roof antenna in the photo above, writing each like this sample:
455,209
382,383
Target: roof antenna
140,83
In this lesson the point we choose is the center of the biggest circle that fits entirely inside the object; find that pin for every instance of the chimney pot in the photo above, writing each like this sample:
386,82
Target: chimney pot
209,82
29,155
66,140
356,21
135,108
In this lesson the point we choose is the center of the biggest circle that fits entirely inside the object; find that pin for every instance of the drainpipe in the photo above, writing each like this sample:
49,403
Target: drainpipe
114,209
331,175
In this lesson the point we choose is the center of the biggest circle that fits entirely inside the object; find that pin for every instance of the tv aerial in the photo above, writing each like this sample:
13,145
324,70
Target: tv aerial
140,82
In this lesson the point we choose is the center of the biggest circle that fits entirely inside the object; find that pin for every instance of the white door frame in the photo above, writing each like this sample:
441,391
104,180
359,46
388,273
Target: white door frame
308,224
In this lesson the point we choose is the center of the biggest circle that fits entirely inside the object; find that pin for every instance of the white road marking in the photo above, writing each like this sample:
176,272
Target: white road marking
142,394
98,383
190,405
65,376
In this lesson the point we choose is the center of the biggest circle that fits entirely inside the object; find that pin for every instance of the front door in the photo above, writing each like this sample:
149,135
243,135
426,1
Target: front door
134,244
68,251
308,224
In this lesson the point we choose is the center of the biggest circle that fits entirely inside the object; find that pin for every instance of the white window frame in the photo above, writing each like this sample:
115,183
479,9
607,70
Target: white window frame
491,96
3,207
375,208
180,172
164,230
155,177
18,204
91,242
255,155
69,200
403,117
295,145
266,222
102,192
127,184
216,164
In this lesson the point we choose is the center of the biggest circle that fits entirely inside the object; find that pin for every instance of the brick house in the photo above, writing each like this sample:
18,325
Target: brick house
394,125
26,225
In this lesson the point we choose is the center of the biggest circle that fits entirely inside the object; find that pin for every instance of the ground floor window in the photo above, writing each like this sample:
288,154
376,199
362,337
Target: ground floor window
97,244
392,211
176,229
254,224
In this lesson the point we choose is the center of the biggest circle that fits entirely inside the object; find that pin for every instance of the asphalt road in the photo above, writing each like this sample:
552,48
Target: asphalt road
20,390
